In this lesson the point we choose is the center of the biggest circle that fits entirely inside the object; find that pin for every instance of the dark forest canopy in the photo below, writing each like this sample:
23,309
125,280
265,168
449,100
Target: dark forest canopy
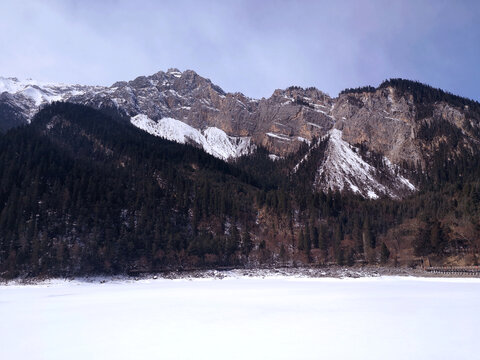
358,90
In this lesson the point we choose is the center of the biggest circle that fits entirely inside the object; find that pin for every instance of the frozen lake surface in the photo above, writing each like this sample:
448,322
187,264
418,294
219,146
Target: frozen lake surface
242,318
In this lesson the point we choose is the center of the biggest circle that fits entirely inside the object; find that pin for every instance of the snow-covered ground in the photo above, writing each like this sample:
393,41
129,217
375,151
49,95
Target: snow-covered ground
242,318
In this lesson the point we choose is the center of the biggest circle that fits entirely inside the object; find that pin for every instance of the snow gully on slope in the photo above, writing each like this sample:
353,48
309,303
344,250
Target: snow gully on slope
213,140
343,168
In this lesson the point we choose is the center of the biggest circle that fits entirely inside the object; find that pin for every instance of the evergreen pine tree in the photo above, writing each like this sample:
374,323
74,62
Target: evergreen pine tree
384,254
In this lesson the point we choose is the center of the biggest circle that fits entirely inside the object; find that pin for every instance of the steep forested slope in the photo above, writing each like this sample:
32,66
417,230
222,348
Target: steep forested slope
83,192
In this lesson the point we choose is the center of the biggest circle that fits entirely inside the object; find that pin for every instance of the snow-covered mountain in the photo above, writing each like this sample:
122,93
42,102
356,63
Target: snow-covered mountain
31,94
185,107
160,105
191,99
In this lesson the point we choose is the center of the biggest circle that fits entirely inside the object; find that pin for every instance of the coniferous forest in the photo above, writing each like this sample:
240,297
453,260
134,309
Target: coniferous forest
84,192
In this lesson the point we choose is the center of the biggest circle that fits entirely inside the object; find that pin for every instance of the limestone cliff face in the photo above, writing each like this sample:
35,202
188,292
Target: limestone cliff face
383,121
390,122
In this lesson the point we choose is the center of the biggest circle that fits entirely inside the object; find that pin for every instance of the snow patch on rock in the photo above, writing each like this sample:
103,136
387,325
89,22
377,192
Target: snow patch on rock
213,140
279,136
224,146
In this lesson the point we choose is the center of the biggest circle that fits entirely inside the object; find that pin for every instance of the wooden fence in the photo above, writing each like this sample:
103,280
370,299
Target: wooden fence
446,270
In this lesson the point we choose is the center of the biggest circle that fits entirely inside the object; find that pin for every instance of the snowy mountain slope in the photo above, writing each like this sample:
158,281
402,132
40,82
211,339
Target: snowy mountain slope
32,94
227,146
213,140
343,169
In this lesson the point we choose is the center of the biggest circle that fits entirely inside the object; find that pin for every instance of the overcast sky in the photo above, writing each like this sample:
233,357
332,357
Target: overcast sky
249,46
